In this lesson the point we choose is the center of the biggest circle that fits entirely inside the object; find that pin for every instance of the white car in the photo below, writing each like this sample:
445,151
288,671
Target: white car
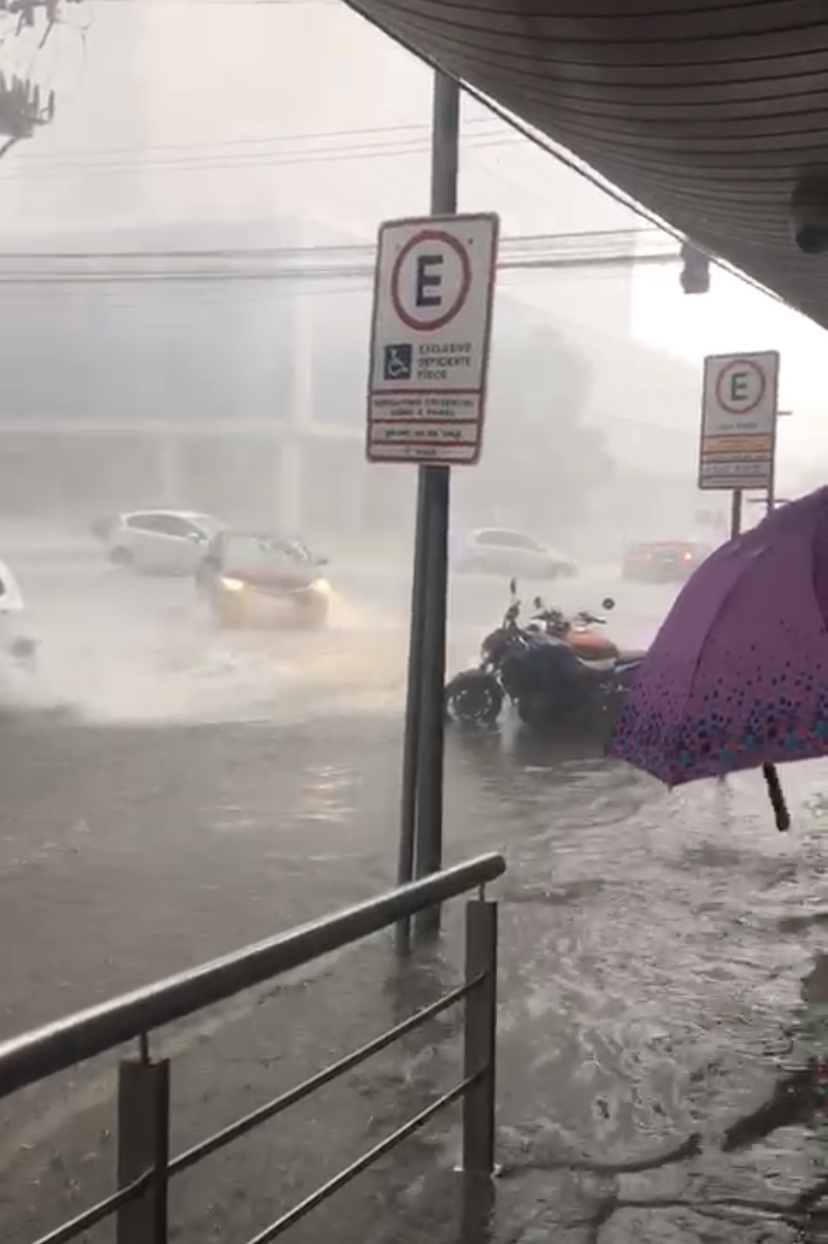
500,551
15,642
159,541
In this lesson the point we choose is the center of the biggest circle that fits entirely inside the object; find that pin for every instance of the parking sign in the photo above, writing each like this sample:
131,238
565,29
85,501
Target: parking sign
433,295
738,426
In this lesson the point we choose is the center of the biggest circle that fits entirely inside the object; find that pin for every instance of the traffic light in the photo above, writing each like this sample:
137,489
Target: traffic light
695,272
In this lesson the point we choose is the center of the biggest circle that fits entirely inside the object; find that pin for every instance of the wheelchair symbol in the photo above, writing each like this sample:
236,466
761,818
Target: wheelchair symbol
398,362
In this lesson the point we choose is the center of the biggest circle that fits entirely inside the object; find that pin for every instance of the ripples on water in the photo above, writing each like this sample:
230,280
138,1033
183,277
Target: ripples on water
655,946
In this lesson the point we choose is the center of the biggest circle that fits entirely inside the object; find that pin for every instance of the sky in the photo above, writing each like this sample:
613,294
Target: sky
235,110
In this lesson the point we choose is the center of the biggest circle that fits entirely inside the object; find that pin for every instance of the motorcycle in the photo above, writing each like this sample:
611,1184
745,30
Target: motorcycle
580,632
541,674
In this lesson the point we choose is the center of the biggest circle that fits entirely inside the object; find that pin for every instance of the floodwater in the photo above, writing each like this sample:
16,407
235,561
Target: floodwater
661,955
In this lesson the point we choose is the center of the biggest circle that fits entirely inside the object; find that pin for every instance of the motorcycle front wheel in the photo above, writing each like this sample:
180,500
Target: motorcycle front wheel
474,698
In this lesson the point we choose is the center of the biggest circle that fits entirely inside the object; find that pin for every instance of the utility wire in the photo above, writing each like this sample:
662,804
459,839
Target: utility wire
119,278
422,131
319,155
600,250
612,240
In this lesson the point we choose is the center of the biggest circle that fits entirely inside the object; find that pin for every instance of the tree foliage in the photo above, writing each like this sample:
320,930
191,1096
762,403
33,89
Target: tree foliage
541,461
24,106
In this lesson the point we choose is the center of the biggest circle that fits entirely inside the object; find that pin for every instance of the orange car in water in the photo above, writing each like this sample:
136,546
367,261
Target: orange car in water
254,579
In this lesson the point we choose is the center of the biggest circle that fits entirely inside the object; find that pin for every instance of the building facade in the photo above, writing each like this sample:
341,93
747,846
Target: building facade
224,368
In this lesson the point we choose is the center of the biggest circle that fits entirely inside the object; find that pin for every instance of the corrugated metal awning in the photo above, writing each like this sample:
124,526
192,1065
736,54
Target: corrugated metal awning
706,111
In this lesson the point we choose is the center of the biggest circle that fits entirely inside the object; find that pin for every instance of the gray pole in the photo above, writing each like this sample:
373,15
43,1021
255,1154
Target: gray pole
421,824
433,525
735,513
410,768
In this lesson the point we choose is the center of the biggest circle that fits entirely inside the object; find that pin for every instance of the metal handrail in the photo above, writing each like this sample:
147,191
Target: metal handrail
234,1131
57,1046
361,1164
98,1213
145,1167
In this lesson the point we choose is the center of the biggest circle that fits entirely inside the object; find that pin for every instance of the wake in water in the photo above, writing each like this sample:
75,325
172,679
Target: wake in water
178,667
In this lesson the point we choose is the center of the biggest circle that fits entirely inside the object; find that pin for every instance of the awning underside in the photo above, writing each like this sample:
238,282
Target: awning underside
705,111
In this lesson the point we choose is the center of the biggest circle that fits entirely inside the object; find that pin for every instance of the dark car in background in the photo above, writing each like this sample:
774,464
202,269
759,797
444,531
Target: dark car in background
663,561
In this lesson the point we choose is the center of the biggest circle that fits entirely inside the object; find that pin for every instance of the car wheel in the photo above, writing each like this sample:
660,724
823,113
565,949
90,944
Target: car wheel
122,557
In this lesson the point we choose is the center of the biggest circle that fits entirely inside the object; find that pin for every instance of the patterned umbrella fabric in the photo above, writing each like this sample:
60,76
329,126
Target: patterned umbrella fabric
737,677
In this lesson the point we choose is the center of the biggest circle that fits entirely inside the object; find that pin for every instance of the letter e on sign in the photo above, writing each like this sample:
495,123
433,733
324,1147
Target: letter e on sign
429,287
427,279
741,386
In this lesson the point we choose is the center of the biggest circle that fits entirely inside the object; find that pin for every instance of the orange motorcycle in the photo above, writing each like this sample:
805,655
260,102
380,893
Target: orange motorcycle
579,631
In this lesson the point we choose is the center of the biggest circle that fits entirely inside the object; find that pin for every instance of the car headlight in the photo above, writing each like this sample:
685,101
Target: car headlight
232,585
321,587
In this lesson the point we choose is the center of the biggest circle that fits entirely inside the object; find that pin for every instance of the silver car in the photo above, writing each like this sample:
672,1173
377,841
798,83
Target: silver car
501,551
160,541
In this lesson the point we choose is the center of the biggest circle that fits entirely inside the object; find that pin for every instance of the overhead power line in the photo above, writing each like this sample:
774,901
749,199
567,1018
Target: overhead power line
277,158
607,249
420,130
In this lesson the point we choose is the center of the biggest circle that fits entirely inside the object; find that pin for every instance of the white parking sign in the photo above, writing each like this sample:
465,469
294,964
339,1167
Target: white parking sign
431,327
739,411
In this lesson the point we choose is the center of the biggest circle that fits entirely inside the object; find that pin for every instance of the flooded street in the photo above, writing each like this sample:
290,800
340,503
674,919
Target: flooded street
661,978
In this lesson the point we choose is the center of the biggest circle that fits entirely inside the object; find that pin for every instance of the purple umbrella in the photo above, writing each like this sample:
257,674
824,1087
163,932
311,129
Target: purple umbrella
737,677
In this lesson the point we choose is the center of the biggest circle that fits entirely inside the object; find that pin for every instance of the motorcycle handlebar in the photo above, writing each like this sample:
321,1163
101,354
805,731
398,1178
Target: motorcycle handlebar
551,616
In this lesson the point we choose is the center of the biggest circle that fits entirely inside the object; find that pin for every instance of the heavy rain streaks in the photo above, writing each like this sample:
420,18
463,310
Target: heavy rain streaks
205,788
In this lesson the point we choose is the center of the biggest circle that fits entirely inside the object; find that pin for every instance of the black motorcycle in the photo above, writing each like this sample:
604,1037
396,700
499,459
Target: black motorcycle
542,675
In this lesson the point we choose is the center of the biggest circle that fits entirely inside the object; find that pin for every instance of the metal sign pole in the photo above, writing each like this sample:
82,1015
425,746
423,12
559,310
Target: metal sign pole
771,494
432,531
735,513
413,703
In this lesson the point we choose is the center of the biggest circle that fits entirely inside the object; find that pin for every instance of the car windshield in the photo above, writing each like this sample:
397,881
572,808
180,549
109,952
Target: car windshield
258,553
206,522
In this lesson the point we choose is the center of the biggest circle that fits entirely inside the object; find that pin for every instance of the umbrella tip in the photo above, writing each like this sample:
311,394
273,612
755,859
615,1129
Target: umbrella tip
777,798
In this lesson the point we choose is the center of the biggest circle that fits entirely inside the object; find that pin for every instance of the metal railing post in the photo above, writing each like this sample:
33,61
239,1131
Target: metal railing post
143,1145
480,1038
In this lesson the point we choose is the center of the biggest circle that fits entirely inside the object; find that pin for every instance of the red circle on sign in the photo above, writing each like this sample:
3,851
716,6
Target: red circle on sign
746,365
431,235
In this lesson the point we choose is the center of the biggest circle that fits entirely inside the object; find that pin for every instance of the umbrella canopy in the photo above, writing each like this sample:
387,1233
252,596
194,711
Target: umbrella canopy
737,677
